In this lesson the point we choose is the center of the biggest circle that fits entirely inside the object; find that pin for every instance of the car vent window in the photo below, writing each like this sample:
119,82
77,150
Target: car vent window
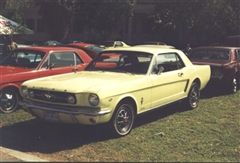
78,59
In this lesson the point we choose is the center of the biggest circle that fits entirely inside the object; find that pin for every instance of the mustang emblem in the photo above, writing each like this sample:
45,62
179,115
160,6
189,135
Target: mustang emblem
48,96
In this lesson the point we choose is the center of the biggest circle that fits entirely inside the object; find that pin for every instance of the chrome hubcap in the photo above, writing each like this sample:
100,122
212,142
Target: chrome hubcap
7,101
234,83
194,96
124,119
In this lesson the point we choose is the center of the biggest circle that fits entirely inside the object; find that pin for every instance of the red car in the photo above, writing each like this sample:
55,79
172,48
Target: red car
34,62
224,62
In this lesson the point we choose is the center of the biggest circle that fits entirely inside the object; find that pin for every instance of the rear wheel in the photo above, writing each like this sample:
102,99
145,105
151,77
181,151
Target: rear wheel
123,119
193,96
8,100
233,86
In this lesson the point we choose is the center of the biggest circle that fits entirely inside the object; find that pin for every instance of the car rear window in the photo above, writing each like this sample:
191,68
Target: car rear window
209,54
22,58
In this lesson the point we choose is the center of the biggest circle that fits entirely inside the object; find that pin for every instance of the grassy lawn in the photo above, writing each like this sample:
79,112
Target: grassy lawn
209,133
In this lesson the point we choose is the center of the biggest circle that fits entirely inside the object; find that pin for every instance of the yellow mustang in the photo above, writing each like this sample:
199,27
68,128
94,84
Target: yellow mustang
116,86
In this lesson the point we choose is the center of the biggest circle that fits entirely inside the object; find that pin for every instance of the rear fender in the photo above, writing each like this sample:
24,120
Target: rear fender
203,74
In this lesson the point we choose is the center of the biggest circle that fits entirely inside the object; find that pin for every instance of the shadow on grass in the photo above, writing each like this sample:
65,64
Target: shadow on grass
160,113
214,91
38,136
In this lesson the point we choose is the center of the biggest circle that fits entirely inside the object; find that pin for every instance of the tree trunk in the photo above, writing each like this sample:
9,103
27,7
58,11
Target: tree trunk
132,4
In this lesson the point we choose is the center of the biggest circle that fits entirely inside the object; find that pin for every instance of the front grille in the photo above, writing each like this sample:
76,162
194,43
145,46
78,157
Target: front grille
61,108
50,96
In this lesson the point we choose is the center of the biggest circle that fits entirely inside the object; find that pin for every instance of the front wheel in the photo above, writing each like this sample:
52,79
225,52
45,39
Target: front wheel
193,96
123,119
8,100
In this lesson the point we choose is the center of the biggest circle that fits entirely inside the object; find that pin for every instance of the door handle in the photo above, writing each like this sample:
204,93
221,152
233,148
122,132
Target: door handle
180,74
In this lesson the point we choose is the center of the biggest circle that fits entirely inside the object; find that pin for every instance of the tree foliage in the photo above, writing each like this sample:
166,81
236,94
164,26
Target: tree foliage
14,9
98,19
200,20
182,21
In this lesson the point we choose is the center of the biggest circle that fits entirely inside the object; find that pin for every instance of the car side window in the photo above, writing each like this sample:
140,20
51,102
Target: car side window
62,59
29,59
167,62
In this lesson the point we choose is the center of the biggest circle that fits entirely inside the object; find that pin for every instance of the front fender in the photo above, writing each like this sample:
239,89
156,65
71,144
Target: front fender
127,96
15,85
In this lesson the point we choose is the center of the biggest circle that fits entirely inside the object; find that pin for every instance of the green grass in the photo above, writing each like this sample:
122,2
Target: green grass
209,133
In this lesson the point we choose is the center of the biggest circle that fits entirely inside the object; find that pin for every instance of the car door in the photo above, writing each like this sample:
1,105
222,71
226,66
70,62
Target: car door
61,62
170,81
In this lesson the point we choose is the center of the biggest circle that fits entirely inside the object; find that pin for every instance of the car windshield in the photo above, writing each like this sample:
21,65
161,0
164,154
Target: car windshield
209,54
25,59
121,61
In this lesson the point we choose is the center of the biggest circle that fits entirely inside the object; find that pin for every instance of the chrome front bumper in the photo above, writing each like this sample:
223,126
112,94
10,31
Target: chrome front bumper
66,114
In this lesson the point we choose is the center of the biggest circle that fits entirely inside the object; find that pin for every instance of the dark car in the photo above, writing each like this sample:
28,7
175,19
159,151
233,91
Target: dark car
91,49
224,62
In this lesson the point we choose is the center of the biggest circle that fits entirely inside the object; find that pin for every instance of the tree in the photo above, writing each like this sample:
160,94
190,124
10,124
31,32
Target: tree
98,19
55,17
14,9
132,4
203,21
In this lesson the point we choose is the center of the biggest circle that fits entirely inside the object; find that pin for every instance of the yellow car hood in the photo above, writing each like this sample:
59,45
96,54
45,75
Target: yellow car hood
87,81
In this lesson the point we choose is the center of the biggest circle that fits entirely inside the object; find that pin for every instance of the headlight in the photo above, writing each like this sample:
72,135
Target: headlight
93,99
24,91
71,99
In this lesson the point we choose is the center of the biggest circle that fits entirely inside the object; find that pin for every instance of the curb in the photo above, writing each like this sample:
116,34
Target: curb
20,155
